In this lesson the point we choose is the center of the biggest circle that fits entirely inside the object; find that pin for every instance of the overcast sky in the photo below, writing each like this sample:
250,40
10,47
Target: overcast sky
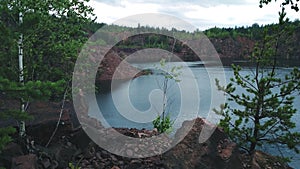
202,14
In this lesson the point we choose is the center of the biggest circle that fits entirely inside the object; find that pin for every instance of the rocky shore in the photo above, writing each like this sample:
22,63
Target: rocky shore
72,148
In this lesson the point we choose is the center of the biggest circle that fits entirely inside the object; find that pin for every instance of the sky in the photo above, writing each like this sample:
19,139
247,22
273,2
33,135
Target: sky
202,14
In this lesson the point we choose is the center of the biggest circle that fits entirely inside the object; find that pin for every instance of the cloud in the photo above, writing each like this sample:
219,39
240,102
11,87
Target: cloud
166,3
201,13
109,13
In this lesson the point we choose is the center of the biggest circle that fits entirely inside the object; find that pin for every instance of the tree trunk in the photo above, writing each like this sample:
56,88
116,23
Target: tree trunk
21,74
254,142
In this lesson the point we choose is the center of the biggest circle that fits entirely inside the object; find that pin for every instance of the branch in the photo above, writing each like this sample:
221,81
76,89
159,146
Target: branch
241,131
261,137
282,83
60,115
248,82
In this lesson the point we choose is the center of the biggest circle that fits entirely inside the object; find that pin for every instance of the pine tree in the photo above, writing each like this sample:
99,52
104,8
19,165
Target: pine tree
265,107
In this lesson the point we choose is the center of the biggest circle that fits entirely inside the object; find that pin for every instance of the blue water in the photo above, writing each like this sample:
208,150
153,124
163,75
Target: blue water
142,98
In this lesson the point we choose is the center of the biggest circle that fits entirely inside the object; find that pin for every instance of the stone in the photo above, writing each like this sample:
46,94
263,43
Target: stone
115,167
24,162
227,151
135,164
135,161
143,135
11,150
90,152
63,154
46,163
54,164
114,158
85,162
129,152
121,162
95,164
105,154
98,155
69,144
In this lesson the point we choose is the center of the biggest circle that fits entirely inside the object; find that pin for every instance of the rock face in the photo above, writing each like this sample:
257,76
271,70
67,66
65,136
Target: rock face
114,67
239,48
232,49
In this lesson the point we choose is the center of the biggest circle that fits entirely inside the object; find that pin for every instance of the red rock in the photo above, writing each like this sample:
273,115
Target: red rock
189,153
113,64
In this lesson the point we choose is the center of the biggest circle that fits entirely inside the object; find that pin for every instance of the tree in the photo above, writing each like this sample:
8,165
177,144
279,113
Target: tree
51,34
164,123
265,107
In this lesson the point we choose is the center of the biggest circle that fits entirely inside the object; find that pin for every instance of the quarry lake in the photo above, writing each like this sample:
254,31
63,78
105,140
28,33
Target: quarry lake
142,98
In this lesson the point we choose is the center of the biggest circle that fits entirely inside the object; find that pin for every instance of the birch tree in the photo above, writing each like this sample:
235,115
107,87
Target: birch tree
41,40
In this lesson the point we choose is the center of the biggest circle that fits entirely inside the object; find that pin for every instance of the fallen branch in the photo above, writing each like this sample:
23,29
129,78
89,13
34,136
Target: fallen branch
60,115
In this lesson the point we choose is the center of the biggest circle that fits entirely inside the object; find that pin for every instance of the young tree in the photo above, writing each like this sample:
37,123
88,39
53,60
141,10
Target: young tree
265,107
163,122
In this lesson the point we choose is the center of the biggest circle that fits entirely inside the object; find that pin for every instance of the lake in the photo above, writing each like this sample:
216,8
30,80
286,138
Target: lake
135,103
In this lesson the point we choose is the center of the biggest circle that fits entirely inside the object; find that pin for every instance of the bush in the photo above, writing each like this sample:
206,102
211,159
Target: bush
163,124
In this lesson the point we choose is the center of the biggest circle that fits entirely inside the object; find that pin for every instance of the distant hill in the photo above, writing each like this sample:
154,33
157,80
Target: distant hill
232,44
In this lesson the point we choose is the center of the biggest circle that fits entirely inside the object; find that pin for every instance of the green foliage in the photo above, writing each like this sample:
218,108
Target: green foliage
163,124
148,40
32,89
266,104
53,33
7,132
173,73
218,33
71,165
5,136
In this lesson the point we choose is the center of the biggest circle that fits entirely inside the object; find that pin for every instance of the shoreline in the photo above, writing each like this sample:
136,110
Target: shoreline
73,146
